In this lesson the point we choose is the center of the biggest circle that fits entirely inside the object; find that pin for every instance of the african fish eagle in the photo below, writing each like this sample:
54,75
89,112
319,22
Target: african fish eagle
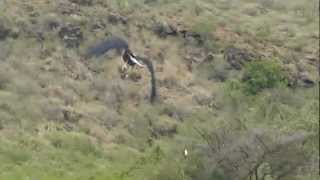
128,57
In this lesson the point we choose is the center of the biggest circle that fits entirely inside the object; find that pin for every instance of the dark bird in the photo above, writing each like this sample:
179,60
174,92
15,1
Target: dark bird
129,58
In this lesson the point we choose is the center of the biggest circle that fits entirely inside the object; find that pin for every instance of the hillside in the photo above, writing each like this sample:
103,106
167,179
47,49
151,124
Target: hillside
237,84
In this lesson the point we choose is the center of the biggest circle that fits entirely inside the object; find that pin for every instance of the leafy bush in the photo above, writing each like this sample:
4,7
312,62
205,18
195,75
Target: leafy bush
260,75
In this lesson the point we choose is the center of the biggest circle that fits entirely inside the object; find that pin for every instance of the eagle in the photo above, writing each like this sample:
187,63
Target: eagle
129,58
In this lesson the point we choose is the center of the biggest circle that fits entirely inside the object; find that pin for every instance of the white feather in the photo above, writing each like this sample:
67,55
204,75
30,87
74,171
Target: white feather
136,61
185,152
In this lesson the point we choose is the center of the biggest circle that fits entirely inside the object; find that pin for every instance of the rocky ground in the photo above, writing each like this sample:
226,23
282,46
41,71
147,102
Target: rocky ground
237,83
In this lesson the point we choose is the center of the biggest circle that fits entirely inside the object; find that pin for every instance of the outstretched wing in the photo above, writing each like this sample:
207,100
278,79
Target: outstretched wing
153,91
106,45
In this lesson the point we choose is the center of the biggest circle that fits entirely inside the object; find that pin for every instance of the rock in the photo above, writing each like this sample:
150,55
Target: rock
298,77
192,37
306,80
237,57
67,8
71,35
209,58
4,32
163,29
50,22
164,129
83,2
70,115
116,19
53,24
176,113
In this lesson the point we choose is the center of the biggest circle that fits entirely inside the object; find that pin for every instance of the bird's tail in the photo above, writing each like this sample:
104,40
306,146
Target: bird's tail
153,91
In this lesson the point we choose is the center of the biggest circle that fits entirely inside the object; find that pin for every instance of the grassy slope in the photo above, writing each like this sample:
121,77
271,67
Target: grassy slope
107,137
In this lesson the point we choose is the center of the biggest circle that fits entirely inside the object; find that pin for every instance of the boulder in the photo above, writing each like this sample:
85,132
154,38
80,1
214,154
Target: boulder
116,19
67,8
163,29
83,2
192,37
306,80
298,77
53,24
237,57
70,115
176,112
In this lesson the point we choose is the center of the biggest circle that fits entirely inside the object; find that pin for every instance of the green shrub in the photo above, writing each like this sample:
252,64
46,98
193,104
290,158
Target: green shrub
260,75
